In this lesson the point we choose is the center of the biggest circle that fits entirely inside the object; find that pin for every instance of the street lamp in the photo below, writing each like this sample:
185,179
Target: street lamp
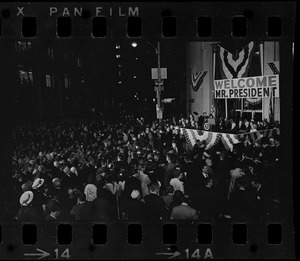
159,89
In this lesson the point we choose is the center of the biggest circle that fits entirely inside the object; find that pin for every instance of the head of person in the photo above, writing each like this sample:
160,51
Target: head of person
205,169
177,173
185,198
27,186
90,192
170,190
170,157
154,187
56,183
271,141
136,195
81,198
177,197
54,207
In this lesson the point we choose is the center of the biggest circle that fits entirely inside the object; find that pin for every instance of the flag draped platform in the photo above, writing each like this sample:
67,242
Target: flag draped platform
229,140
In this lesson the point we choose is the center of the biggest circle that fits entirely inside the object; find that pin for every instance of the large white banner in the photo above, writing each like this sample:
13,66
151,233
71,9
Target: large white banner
247,87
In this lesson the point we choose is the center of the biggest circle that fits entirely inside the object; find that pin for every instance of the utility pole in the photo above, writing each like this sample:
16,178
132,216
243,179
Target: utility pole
158,93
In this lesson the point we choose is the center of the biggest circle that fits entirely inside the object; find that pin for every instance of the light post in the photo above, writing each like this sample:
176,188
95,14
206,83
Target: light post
159,89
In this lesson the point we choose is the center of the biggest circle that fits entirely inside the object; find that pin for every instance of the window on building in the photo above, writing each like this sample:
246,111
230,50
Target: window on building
67,81
49,81
26,77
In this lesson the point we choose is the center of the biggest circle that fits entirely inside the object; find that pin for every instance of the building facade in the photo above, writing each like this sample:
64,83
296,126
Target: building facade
203,67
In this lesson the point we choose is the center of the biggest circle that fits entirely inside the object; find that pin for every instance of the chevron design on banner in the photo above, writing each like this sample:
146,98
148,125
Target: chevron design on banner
197,79
235,66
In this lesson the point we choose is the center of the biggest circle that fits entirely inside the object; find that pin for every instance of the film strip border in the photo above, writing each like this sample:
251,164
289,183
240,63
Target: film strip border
135,20
185,240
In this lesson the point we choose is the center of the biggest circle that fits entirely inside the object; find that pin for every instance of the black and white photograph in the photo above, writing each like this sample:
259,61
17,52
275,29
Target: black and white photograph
103,128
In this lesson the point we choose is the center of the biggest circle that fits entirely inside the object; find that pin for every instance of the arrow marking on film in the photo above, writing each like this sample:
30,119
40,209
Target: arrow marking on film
41,255
172,255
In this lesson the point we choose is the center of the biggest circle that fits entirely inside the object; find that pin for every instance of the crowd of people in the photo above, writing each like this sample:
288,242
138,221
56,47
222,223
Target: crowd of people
134,170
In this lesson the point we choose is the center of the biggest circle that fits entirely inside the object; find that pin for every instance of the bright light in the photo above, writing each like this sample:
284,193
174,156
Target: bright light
134,77
118,55
136,58
120,65
134,44
119,82
118,46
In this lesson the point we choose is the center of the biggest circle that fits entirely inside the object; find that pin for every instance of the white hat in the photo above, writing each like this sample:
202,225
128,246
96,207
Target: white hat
37,183
26,198
55,163
74,170
135,194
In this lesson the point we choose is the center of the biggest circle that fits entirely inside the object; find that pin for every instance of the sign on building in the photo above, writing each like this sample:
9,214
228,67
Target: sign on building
247,87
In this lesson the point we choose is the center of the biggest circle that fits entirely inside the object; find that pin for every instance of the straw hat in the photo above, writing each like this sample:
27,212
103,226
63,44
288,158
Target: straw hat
37,183
26,198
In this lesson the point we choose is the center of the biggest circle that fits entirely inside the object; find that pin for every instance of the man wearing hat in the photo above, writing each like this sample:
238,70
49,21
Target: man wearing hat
40,200
27,212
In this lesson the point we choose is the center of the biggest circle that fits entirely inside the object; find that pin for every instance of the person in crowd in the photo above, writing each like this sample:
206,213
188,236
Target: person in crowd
40,200
82,210
176,182
27,212
55,210
135,208
206,201
102,209
154,204
169,168
184,211
241,203
132,182
168,199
